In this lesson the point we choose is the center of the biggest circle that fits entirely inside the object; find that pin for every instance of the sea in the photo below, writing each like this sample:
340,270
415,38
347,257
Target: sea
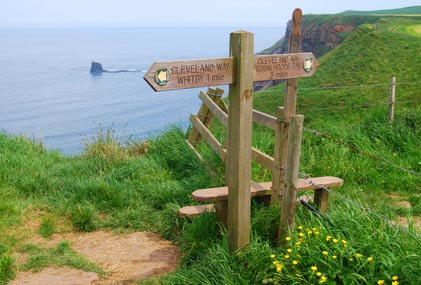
48,95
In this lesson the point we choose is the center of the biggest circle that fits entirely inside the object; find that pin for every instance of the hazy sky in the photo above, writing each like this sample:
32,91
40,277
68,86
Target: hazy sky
117,13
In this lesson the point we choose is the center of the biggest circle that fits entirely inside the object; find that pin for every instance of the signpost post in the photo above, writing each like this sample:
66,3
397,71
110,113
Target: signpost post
239,70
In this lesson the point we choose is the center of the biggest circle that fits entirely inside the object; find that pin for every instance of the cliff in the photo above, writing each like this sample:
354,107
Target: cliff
320,34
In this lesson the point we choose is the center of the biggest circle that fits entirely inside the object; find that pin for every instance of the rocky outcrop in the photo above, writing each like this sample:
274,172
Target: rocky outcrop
96,68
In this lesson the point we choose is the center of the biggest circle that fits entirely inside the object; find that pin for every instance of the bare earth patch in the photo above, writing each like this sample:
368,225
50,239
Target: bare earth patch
126,258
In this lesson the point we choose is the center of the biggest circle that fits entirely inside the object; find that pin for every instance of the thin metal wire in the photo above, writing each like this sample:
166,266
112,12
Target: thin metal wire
353,147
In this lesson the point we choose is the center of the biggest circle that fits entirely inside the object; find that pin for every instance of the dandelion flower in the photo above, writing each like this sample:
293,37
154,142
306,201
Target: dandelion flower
394,278
286,256
314,268
288,238
380,282
316,233
323,279
319,274
309,232
325,252
289,250
300,227
301,234
395,283
334,256
335,240
359,255
328,238
294,262
272,256
370,259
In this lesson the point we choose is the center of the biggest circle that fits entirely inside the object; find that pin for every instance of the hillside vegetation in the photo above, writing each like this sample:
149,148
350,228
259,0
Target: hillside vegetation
139,187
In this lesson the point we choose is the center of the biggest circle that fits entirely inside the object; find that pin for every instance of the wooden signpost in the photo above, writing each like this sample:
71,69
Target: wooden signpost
183,74
239,70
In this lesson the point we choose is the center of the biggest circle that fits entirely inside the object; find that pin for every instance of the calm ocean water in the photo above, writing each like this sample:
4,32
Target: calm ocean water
48,94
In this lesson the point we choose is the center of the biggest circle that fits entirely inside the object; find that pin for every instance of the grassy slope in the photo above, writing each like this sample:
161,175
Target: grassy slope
133,189
413,10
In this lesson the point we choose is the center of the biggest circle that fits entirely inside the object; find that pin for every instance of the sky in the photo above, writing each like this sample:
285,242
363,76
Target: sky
181,13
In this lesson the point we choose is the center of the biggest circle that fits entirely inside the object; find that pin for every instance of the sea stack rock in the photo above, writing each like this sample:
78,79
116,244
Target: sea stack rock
96,68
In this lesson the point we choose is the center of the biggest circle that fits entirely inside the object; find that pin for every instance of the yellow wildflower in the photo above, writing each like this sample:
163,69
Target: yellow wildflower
359,255
294,262
309,232
334,256
351,259
301,234
328,238
279,267
325,252
394,278
380,282
370,259
395,283
335,240
319,274
288,238
300,227
316,233
314,268
289,250
272,256
286,256
323,279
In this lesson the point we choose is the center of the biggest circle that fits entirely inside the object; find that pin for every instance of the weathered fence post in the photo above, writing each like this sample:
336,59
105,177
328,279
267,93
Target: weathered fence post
392,100
290,103
291,176
239,140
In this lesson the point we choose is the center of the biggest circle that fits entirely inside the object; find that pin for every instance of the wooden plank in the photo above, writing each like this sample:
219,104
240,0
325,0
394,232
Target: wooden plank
283,66
278,169
199,157
291,177
262,158
321,199
264,119
214,108
215,94
182,74
264,188
197,210
238,170
211,140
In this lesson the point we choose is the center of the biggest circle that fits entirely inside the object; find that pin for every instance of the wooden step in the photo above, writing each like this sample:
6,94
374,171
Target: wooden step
265,188
194,211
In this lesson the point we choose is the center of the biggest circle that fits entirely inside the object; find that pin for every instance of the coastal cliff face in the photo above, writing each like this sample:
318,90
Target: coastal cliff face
320,34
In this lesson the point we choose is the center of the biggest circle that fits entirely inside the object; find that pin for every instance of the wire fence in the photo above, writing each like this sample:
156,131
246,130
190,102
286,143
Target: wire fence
356,149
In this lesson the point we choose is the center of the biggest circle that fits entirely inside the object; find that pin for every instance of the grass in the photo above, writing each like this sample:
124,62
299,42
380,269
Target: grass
139,186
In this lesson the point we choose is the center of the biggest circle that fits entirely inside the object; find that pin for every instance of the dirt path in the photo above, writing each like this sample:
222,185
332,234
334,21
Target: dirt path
126,258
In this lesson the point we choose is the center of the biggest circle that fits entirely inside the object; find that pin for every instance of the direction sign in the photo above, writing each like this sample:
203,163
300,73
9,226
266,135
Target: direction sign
284,66
182,74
